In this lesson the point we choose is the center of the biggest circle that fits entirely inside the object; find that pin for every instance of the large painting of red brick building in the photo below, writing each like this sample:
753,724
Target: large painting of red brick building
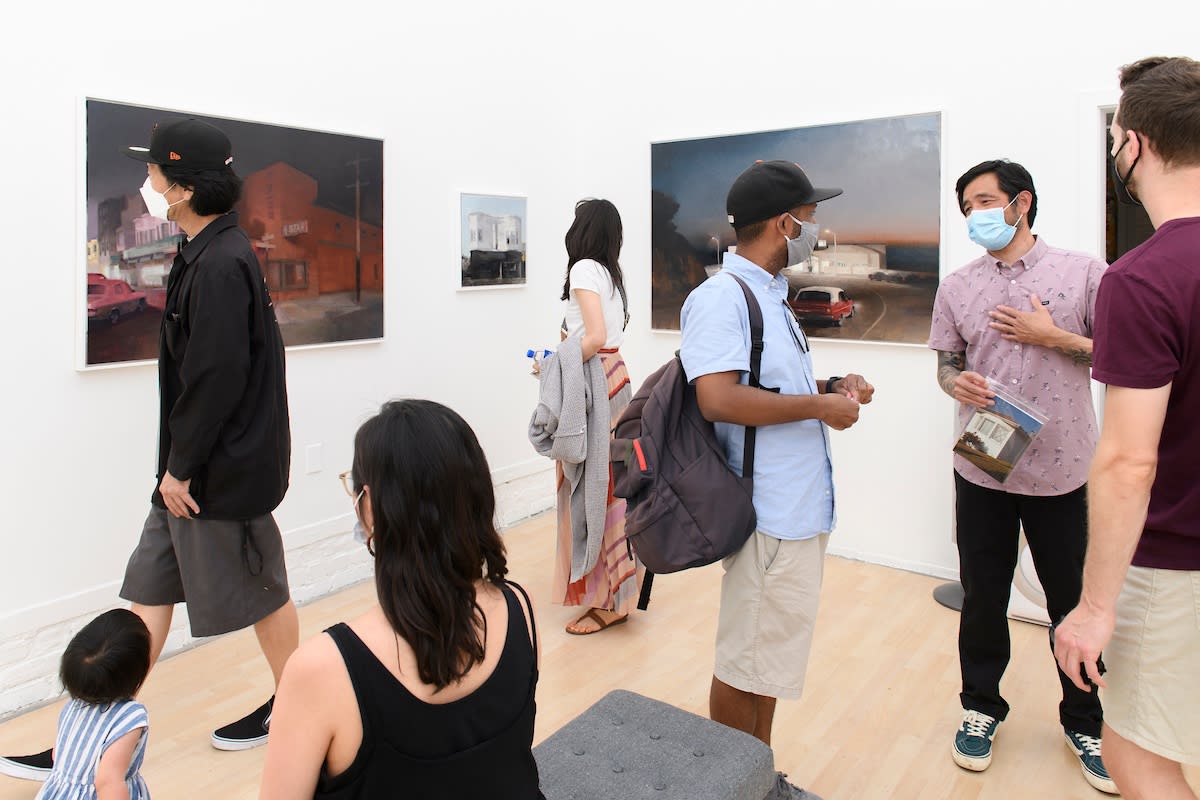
312,204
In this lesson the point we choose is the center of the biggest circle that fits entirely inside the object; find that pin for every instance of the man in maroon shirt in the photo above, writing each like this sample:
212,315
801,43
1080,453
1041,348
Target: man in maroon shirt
1141,592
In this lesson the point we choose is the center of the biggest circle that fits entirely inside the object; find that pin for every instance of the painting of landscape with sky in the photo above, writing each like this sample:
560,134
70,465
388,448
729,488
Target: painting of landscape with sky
879,240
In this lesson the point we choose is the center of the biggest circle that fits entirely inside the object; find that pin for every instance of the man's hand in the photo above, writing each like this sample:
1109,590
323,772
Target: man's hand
1027,327
176,494
856,388
1079,640
839,411
972,388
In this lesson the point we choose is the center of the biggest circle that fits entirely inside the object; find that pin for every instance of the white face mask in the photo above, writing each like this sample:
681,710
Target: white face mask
801,248
360,532
156,203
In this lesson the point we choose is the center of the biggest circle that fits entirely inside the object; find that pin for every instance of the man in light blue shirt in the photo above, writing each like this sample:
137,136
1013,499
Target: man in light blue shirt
771,588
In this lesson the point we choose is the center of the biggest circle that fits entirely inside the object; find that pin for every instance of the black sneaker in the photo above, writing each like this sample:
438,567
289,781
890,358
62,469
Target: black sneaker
30,768
248,732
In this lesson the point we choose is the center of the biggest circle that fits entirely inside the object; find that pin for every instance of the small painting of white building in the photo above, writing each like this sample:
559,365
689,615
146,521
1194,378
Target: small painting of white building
492,234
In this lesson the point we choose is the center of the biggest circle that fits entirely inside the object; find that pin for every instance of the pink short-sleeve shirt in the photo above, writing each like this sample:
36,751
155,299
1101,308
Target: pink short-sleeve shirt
1066,282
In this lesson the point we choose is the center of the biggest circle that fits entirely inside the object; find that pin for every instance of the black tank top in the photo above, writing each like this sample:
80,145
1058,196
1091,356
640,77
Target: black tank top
479,744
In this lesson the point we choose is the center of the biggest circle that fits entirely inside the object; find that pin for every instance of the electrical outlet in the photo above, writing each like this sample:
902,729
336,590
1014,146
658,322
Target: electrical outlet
312,458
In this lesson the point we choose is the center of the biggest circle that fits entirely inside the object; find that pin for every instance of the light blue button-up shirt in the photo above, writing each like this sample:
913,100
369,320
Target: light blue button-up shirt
793,474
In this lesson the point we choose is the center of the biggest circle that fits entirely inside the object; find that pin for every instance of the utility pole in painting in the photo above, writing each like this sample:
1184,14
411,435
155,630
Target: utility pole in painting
358,184
267,246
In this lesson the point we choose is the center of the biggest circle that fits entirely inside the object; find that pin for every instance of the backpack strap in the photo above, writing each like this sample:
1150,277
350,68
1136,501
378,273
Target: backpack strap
644,595
756,350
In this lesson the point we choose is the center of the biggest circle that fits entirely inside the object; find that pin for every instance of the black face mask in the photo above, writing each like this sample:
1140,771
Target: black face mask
1122,183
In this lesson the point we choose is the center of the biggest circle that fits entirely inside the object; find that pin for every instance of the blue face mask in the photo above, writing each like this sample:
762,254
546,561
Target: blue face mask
988,229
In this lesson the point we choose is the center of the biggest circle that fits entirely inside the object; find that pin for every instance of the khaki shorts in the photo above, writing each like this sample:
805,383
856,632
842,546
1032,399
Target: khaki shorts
769,599
1153,661
231,574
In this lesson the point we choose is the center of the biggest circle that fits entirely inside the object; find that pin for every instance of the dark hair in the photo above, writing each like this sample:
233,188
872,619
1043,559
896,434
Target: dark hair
214,191
597,234
1012,177
750,232
108,660
1160,99
434,536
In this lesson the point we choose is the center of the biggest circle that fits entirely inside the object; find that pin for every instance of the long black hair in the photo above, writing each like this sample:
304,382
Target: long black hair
597,234
434,533
108,659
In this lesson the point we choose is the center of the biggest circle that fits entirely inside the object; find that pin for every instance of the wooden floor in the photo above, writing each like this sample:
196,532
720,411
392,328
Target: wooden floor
876,721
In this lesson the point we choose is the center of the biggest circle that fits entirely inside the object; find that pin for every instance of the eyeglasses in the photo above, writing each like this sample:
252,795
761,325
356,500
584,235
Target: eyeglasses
347,479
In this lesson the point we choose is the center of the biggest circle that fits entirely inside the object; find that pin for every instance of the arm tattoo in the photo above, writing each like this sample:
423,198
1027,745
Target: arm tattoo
1078,355
950,365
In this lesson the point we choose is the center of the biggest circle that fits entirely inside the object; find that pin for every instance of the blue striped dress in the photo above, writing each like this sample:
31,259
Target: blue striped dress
84,732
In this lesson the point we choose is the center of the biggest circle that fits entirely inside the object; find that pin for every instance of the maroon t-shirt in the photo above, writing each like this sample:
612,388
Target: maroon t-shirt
1147,334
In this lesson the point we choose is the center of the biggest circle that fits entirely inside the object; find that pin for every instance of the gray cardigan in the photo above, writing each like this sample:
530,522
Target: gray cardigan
571,424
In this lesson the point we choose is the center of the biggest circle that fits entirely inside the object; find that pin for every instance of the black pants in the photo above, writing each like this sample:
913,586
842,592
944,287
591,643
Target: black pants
989,523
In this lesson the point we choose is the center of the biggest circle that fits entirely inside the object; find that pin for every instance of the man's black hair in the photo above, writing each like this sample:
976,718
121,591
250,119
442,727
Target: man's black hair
1013,179
214,191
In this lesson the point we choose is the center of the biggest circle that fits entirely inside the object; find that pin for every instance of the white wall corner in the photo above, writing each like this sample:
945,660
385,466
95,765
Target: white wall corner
523,490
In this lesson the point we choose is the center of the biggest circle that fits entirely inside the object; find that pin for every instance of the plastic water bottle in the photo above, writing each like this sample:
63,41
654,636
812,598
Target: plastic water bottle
538,357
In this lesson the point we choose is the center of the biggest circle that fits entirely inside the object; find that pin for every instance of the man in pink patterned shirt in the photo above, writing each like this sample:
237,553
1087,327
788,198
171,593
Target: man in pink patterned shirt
1021,315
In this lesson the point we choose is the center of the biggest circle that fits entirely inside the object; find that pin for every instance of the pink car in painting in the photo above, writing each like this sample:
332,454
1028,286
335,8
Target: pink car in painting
109,299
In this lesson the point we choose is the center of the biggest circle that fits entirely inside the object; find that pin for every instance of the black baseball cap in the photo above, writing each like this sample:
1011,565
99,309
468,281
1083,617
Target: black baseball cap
187,143
769,188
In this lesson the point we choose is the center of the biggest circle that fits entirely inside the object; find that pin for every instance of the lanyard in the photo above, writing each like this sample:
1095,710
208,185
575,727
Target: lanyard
801,340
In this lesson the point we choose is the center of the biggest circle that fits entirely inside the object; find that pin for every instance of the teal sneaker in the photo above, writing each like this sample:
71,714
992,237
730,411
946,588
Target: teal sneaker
973,742
1087,750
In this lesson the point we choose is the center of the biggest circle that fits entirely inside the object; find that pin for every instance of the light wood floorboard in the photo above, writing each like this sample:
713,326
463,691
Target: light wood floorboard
876,720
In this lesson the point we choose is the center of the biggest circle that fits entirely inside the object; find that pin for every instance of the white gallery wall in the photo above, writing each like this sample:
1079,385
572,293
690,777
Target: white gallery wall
551,100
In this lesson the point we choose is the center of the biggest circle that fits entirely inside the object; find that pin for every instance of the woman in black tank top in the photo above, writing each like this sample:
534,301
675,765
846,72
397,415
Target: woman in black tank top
429,694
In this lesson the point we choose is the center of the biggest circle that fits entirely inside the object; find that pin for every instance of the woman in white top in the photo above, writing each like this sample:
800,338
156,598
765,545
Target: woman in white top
597,307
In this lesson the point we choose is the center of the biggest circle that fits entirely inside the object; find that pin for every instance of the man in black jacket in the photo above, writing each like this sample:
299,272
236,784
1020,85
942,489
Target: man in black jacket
224,441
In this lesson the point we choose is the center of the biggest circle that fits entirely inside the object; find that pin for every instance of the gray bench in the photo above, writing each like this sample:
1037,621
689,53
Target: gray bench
629,747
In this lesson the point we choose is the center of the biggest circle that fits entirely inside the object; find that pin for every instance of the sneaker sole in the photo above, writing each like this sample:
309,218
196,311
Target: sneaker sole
973,763
234,745
22,772
1105,785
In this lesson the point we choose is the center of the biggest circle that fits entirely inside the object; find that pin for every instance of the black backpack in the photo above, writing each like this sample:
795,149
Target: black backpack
685,507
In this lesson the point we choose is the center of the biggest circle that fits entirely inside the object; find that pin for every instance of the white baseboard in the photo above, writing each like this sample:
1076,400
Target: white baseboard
919,567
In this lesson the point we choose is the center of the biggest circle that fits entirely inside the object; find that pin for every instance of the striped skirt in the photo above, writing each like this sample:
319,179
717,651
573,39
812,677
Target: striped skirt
614,582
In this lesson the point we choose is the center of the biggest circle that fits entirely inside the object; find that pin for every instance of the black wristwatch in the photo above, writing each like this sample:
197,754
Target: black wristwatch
829,383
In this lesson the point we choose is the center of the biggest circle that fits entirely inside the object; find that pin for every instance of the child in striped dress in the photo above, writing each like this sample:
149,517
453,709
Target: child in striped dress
102,730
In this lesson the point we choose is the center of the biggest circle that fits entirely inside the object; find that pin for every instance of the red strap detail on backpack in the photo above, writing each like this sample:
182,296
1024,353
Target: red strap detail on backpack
641,457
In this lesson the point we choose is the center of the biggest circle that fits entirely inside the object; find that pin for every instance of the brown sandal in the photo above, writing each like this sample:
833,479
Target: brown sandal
599,620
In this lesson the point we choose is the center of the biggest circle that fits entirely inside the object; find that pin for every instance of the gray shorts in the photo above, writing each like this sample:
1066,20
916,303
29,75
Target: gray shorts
231,574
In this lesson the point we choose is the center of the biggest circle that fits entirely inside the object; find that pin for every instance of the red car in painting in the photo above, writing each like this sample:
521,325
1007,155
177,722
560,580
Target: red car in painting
828,304
109,299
